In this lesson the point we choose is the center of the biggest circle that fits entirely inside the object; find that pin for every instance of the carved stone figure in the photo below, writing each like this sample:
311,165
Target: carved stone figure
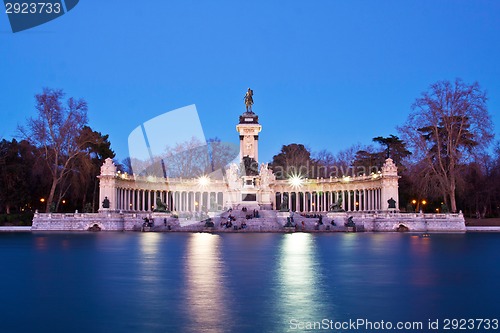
266,176
232,176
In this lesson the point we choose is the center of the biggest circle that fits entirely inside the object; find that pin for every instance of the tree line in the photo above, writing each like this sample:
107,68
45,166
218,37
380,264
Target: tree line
444,152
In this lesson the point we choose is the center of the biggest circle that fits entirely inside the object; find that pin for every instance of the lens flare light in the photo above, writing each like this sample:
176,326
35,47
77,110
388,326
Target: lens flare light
296,181
203,181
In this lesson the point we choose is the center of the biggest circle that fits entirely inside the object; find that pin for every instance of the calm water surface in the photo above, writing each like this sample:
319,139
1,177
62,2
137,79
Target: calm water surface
151,282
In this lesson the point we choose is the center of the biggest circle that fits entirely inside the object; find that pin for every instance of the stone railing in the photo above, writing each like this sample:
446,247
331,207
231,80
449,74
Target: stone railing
155,179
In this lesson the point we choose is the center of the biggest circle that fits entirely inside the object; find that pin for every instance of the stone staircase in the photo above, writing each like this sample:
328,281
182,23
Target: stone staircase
268,221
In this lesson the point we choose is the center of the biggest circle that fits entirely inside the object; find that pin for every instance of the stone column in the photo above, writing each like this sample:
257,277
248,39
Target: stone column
389,184
365,199
107,185
372,199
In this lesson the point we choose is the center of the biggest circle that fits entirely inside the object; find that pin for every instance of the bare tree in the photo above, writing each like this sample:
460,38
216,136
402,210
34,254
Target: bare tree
55,130
448,124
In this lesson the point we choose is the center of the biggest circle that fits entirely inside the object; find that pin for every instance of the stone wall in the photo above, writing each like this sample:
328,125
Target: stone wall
107,221
390,221
116,221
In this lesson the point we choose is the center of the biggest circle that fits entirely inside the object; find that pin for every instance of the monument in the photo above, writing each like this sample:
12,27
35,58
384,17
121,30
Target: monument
372,200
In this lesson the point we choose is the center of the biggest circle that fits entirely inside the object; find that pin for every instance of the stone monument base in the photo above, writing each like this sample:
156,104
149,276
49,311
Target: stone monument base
338,217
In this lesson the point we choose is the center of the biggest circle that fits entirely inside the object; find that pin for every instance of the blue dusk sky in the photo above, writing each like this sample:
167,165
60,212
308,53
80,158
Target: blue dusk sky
325,73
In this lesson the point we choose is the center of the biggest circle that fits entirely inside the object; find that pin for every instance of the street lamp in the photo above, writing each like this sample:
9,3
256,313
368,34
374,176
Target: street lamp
414,205
424,202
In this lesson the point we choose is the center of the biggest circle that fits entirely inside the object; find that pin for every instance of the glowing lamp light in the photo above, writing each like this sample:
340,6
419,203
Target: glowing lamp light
203,181
424,202
414,201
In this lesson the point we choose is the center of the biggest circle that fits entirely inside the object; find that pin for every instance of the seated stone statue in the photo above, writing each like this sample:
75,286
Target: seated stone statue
161,207
105,203
392,203
350,222
337,206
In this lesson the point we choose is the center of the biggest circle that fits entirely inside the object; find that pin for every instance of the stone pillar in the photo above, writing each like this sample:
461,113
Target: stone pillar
372,199
365,199
154,200
389,184
143,201
249,129
107,185
348,192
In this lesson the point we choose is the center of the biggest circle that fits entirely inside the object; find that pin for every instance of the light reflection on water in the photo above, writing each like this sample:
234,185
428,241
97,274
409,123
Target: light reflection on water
300,280
205,295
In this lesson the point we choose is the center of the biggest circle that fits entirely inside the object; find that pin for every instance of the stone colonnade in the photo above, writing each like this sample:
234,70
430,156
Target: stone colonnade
361,200
132,199
362,193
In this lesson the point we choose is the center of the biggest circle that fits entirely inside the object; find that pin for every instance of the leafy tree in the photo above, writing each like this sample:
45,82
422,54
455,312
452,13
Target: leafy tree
14,176
367,162
294,159
81,184
395,148
448,124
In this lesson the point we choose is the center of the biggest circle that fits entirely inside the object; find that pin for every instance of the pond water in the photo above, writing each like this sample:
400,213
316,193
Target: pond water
183,282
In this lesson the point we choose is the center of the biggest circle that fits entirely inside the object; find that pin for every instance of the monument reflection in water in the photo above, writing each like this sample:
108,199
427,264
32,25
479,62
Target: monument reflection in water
179,282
